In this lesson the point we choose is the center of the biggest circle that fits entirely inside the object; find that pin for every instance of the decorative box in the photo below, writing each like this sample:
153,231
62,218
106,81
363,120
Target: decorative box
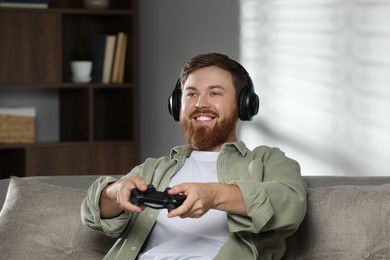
17,125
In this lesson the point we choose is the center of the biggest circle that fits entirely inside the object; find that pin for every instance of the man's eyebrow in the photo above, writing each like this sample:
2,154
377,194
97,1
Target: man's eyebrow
190,88
209,87
216,86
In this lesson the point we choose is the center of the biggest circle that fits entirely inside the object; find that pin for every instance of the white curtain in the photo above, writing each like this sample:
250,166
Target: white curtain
322,71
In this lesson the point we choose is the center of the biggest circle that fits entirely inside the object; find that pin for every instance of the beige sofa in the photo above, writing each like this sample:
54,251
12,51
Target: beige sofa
347,218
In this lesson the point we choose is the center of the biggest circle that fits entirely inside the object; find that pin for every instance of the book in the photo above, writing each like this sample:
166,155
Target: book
98,47
119,59
108,58
116,62
102,50
122,63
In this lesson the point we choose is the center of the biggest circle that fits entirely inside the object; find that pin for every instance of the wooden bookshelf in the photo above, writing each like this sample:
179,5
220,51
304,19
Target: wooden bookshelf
97,122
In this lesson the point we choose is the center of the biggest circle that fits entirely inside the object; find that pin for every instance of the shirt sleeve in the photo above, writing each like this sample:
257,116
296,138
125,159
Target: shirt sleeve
90,211
278,202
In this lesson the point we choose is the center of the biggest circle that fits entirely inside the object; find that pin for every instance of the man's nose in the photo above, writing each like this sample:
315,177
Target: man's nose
202,101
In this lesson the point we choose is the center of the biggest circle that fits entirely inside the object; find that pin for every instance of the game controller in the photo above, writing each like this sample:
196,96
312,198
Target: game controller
156,199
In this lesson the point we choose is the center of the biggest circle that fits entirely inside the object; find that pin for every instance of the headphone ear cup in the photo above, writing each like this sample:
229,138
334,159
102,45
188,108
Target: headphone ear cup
254,104
241,104
170,105
248,104
174,104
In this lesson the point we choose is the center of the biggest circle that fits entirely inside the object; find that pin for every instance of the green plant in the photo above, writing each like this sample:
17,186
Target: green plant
80,52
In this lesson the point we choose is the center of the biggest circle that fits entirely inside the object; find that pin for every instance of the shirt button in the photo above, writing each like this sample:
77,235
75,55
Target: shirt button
133,248
151,215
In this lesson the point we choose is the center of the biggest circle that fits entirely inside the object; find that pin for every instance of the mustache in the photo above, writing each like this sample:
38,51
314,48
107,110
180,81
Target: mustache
203,111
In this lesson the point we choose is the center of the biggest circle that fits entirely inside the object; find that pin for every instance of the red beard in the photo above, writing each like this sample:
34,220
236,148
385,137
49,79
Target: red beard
205,138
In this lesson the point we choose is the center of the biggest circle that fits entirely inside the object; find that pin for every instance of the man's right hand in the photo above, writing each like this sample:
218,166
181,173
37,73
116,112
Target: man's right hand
115,198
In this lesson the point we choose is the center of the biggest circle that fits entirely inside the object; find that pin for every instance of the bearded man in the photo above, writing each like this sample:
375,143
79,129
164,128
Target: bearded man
239,204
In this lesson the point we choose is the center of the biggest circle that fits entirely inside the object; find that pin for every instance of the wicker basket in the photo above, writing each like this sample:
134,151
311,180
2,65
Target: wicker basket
17,129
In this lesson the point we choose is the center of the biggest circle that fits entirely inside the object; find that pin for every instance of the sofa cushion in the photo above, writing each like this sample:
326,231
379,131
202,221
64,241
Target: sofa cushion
42,221
344,222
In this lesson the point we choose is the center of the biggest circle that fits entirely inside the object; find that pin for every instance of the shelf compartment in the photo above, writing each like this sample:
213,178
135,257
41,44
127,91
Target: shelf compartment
12,162
79,30
74,114
113,116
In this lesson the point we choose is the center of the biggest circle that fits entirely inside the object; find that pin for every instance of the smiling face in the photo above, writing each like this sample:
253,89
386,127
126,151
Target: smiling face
209,110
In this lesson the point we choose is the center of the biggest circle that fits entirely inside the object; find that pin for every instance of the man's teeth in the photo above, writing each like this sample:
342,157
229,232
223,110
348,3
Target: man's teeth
203,118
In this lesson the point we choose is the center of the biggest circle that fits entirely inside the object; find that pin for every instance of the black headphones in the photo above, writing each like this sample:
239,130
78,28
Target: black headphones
248,101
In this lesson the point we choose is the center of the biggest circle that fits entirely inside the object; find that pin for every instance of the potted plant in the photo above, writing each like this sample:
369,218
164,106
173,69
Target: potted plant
80,63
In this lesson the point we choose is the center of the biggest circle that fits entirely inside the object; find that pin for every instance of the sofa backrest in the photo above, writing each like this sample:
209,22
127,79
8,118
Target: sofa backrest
347,218
84,181
326,181
41,220
344,219
76,181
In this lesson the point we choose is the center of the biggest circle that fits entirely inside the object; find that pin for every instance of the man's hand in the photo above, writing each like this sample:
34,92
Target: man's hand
201,197
115,198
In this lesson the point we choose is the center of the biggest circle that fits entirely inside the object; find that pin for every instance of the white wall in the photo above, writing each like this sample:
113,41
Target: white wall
321,68
170,33
323,72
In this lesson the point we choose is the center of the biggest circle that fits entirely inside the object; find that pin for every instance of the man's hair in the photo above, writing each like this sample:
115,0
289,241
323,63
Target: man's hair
240,79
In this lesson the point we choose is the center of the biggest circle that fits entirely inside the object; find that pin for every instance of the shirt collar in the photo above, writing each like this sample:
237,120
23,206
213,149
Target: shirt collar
186,150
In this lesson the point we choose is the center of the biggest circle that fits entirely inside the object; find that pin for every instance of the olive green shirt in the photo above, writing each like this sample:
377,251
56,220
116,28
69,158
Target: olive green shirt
271,184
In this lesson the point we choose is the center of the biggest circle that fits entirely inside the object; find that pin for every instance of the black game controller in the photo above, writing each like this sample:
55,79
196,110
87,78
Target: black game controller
156,199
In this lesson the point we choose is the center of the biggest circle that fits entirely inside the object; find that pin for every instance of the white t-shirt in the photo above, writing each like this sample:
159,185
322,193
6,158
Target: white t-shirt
189,238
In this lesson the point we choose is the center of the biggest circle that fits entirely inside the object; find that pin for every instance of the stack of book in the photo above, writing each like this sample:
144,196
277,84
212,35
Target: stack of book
109,57
25,3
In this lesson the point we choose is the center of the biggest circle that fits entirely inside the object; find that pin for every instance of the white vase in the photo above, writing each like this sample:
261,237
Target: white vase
81,71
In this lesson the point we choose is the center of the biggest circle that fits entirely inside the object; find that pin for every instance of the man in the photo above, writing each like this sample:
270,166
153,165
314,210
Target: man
240,204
